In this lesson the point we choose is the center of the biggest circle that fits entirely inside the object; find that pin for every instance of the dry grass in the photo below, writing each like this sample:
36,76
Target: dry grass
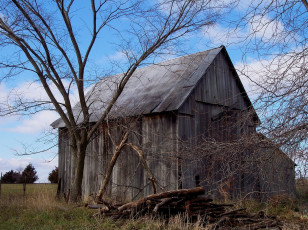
290,211
40,209
37,197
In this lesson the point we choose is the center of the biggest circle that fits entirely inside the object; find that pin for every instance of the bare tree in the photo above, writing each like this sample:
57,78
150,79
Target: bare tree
42,38
274,33
233,161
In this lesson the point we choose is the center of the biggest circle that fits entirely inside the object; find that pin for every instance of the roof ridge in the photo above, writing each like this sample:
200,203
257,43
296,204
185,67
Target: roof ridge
185,56
154,64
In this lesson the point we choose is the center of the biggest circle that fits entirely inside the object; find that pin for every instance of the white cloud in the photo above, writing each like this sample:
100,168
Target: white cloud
218,35
44,167
7,120
175,7
13,163
249,75
117,62
267,29
251,22
118,56
3,92
4,17
259,27
30,92
284,72
34,91
36,123
243,5
3,102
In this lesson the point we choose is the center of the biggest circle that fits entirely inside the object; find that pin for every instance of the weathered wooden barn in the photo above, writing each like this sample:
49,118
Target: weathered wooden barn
178,113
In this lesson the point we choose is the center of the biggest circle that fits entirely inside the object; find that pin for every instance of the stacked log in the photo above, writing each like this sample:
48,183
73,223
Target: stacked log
191,204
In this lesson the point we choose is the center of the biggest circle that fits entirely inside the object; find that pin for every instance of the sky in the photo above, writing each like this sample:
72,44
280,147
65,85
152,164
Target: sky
20,134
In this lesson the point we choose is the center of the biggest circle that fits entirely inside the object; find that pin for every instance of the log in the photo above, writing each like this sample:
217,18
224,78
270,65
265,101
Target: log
96,206
233,212
180,201
164,202
201,200
261,225
219,223
179,193
109,205
186,201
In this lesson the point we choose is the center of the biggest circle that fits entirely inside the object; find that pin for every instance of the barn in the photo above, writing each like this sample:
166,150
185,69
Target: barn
189,122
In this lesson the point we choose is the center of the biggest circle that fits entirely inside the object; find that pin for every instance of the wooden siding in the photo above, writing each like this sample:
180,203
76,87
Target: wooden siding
155,135
216,95
160,147
217,87
65,161
276,173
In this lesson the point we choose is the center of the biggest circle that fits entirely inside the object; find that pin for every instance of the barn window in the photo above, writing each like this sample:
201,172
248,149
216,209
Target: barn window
197,180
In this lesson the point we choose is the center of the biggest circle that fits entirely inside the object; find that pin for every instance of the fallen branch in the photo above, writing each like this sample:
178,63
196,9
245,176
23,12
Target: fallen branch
189,203
182,192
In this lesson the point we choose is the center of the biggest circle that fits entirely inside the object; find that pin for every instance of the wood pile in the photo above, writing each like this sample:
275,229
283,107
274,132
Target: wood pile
192,206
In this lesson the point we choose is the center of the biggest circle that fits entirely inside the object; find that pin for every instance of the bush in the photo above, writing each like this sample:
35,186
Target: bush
29,175
302,188
10,177
281,205
53,176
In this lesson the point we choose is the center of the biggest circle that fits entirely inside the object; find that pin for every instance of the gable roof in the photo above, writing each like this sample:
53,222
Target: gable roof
156,88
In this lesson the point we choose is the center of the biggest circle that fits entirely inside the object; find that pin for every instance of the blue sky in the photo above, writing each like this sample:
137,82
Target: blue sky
18,133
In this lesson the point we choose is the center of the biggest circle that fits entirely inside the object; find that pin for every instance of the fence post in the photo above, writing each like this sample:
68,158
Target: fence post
0,183
24,186
59,188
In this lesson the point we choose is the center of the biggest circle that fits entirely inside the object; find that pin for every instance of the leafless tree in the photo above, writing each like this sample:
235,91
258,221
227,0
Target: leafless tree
233,161
275,34
44,39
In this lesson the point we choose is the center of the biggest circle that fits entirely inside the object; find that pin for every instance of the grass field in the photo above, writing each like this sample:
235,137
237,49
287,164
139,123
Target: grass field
31,189
39,209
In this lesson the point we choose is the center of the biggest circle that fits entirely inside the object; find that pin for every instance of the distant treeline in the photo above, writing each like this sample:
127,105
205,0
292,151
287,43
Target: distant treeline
28,175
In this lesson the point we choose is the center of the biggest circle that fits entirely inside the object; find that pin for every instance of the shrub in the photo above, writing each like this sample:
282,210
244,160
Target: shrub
29,175
10,177
53,176
302,188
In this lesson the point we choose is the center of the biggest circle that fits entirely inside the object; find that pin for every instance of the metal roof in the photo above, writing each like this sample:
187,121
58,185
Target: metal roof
152,89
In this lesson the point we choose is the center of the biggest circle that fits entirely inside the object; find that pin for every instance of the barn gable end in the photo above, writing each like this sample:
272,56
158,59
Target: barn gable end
219,90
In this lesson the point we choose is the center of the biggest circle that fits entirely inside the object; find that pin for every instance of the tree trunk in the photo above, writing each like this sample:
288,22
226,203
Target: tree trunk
111,165
78,164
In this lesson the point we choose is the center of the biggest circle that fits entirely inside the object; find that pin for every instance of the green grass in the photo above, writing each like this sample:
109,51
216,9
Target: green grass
31,189
39,209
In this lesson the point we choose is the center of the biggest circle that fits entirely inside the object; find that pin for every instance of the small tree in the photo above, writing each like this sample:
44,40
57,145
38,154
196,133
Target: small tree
53,176
10,177
29,175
